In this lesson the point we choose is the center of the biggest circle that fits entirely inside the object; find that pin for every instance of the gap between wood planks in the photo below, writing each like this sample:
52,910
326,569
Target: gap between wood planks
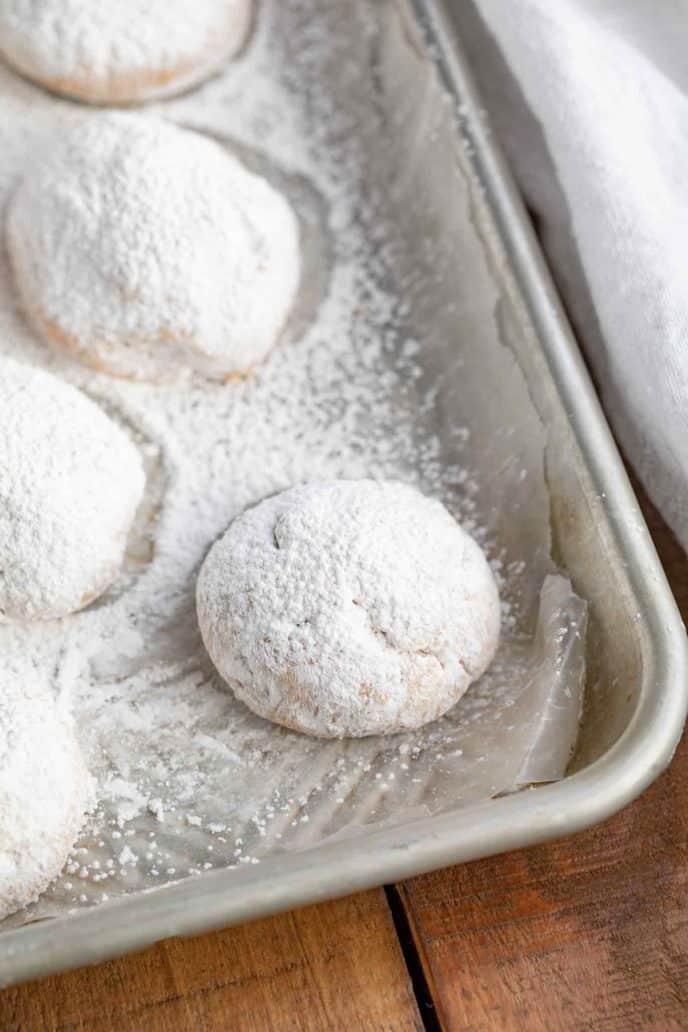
585,933
417,969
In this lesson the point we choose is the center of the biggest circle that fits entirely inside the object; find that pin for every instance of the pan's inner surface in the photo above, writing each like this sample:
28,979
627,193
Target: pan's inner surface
411,357
452,208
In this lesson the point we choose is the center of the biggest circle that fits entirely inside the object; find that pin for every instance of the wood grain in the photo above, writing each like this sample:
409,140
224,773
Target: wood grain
589,934
333,966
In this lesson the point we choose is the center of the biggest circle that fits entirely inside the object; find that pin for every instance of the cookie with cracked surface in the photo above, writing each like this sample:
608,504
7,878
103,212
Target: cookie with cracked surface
348,608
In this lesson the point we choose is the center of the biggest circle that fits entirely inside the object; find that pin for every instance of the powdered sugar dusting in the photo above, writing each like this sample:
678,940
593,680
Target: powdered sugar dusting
348,608
149,250
374,385
70,487
44,785
125,51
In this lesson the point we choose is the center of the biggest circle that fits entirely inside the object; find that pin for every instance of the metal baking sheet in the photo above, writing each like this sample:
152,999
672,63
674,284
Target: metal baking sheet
491,333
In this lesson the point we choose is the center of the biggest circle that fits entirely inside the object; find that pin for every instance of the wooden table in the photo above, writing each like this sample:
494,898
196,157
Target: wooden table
588,933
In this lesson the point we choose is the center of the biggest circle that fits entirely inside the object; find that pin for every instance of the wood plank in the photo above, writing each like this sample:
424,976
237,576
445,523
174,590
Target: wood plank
333,966
588,933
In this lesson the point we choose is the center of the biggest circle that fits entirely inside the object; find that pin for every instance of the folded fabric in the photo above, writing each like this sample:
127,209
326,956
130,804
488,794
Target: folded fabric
590,100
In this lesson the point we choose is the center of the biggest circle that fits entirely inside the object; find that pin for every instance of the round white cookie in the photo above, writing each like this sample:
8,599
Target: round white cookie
348,608
45,790
147,250
121,51
71,482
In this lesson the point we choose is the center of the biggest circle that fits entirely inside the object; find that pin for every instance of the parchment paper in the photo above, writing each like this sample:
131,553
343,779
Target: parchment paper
398,364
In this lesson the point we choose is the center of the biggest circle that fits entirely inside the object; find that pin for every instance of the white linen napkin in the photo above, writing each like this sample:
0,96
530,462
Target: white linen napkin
590,100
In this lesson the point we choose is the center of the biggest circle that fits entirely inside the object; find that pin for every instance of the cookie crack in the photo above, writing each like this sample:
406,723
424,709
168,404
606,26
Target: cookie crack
385,636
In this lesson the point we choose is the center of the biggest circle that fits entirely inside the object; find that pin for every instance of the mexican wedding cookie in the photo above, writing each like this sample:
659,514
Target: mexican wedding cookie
348,608
70,484
44,792
145,250
121,51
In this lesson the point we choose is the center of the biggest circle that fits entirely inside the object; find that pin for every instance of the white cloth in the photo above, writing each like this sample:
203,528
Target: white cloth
590,100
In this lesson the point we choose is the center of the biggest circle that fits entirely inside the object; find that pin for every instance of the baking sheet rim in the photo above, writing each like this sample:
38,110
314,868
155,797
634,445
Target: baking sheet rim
372,857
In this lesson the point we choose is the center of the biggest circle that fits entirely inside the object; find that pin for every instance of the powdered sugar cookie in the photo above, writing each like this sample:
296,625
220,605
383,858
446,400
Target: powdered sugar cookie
348,608
70,484
147,250
121,52
45,790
